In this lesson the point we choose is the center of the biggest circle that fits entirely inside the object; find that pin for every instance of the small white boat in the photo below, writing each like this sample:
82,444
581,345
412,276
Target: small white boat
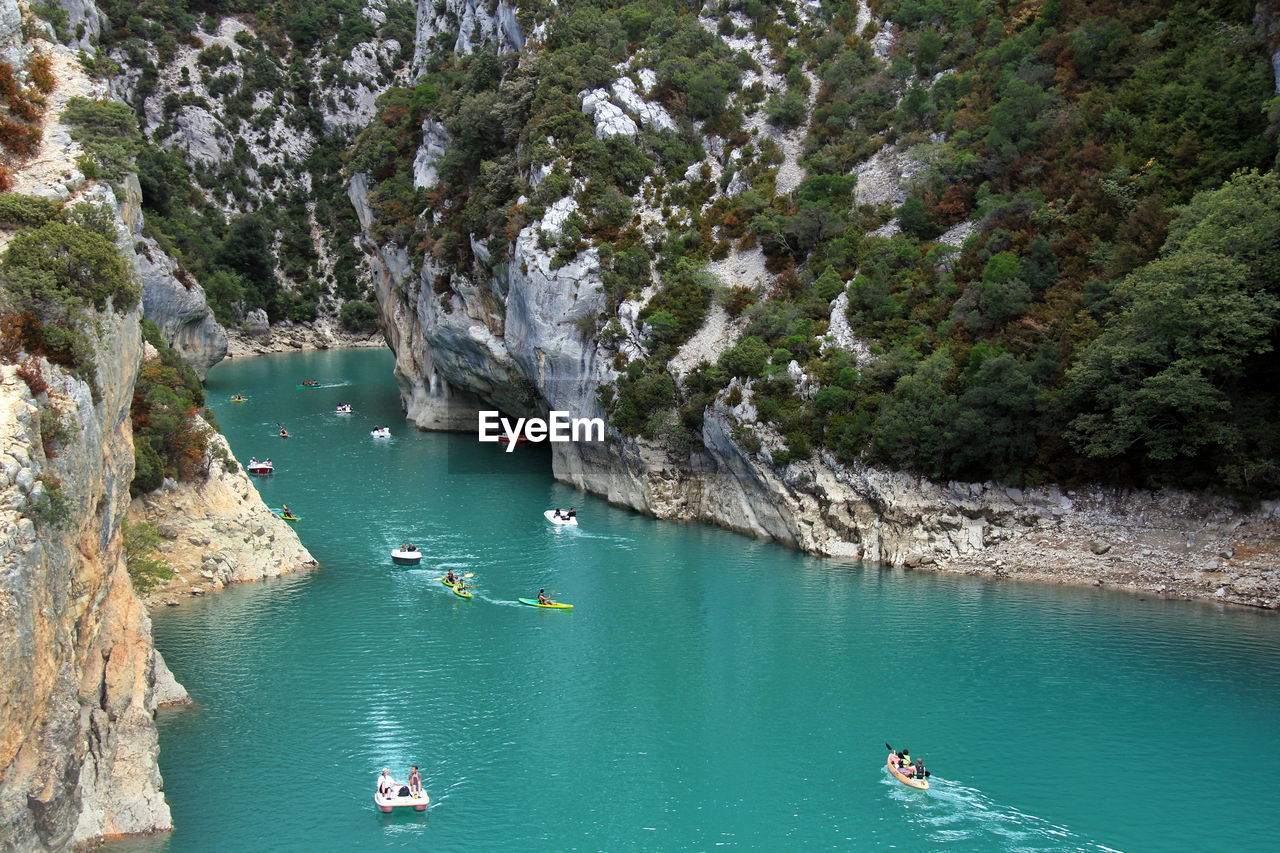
342,410
261,468
555,516
381,432
406,558
388,804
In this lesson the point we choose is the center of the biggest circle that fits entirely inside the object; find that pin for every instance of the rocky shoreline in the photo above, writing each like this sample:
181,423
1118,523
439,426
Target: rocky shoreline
217,532
256,337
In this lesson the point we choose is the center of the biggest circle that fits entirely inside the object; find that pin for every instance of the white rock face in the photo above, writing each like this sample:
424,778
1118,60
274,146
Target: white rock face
200,135
881,178
610,120
653,116
557,213
434,140
13,48
477,24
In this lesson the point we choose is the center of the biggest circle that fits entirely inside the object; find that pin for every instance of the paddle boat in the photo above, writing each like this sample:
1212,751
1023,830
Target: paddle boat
381,432
260,467
892,763
562,519
554,605
343,409
407,556
389,803
309,383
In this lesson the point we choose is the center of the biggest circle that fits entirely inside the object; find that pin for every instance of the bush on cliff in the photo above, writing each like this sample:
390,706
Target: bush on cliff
49,277
146,570
108,130
168,400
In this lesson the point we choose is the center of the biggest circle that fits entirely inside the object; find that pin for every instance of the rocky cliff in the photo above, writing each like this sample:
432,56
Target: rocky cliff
78,743
516,333
217,530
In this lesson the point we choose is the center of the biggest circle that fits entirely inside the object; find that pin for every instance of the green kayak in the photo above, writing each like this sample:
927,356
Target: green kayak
462,592
533,602
445,581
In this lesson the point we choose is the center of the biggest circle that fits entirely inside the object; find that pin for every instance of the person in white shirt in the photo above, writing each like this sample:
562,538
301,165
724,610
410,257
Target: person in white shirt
387,785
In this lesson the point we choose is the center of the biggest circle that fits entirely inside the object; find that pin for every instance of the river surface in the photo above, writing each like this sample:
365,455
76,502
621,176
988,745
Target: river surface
708,690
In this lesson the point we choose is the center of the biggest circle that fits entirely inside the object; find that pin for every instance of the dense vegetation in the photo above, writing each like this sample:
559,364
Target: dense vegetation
1113,318
51,274
170,438
274,236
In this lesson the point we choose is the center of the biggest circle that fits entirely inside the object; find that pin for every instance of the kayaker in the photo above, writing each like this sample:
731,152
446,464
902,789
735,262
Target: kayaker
284,510
904,758
542,597
415,782
918,772
450,578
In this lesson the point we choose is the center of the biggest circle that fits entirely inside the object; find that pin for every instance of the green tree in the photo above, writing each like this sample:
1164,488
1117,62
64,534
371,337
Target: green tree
1164,378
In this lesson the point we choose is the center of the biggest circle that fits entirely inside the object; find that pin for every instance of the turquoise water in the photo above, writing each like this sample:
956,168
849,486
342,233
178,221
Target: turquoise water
708,691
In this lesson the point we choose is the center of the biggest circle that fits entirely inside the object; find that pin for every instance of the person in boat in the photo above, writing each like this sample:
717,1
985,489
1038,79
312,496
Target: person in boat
410,548
266,461
285,511
284,433
253,460
904,760
451,579
918,771
572,513
415,782
557,514
387,784
542,597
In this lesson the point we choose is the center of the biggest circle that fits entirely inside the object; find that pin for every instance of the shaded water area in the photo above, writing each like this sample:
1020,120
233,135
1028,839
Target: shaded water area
707,691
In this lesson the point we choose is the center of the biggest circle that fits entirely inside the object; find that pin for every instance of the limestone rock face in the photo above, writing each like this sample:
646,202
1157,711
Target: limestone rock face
77,741
434,141
477,24
13,49
227,531
179,309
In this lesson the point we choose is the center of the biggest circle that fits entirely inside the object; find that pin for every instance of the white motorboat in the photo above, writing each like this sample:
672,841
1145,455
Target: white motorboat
343,409
381,432
557,517
389,803
406,558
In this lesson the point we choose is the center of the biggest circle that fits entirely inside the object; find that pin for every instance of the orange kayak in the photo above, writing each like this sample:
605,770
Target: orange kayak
921,784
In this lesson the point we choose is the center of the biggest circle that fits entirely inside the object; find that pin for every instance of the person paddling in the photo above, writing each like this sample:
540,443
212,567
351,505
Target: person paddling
542,597
450,578
918,771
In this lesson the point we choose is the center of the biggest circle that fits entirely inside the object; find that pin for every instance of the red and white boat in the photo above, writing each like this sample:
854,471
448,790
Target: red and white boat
261,467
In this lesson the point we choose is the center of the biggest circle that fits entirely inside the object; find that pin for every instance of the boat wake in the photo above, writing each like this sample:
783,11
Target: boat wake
952,813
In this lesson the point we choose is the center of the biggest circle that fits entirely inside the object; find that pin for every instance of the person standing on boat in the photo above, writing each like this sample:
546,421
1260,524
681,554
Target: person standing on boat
415,782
